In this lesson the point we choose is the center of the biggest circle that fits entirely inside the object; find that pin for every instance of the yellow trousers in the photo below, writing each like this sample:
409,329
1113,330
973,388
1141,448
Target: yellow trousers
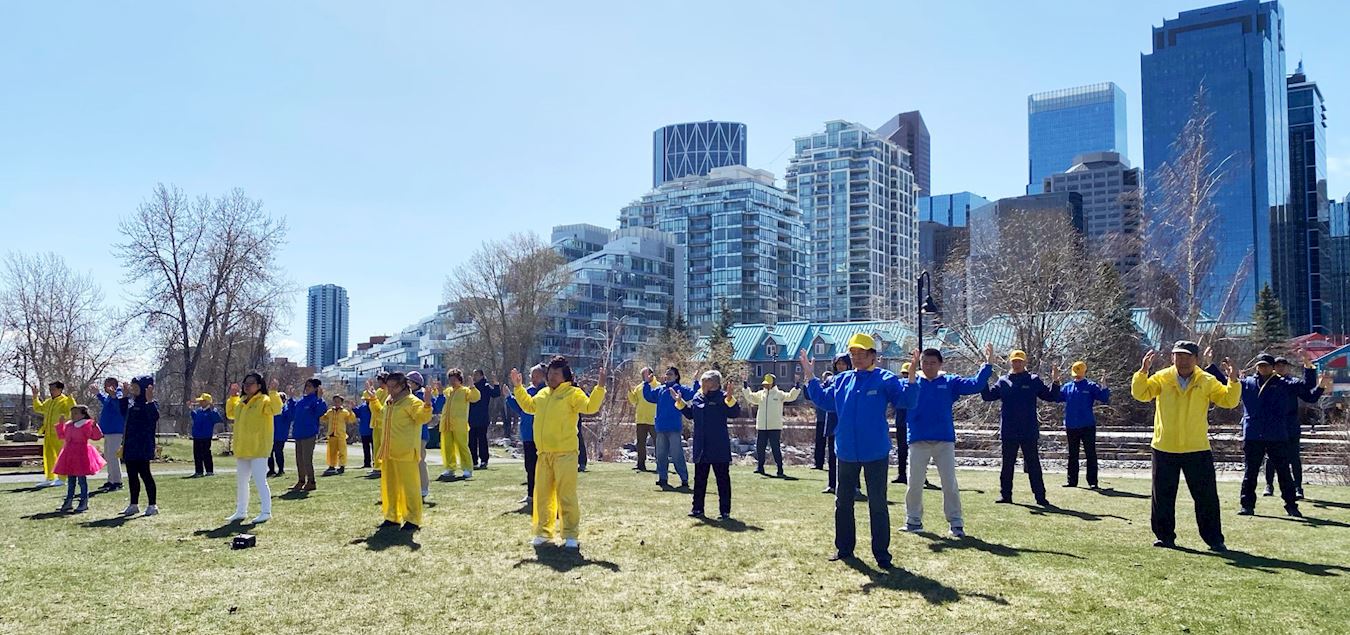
337,451
401,492
555,495
455,447
51,448
375,437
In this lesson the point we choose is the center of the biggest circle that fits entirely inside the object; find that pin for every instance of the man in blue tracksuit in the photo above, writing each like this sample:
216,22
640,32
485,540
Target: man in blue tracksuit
862,440
1019,429
364,431
538,375
1307,389
1080,422
669,424
281,430
305,427
1265,397
932,436
480,418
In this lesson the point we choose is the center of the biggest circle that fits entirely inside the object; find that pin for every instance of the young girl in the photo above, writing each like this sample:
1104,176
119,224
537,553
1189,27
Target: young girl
138,447
79,459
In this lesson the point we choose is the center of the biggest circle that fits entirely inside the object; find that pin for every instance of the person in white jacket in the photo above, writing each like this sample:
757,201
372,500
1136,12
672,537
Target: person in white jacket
769,419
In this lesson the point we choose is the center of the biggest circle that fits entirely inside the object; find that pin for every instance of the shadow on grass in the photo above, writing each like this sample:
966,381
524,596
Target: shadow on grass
1037,510
940,544
1116,493
732,525
294,495
387,538
931,590
1244,560
224,531
25,490
523,510
45,515
1321,504
683,489
106,523
563,560
1307,520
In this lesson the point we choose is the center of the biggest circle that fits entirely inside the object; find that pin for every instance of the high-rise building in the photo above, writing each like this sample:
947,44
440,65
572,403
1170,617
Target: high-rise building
1112,218
1299,232
857,197
951,210
1336,301
326,341
744,244
1235,52
908,131
694,149
617,297
1062,124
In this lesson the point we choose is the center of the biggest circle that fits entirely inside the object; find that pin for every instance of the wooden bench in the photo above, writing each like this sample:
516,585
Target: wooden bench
14,454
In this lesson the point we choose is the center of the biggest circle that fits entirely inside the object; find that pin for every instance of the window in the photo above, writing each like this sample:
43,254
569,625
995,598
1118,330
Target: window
819,348
770,349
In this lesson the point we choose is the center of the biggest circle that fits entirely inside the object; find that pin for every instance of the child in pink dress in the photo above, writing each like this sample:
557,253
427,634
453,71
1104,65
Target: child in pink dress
79,459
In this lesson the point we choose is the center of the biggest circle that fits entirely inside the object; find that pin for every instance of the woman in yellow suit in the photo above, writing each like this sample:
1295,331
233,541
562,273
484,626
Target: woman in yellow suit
337,419
55,408
374,397
252,442
556,408
402,416
455,424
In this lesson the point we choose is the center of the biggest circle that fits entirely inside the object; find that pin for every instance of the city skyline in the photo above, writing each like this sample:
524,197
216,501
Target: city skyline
336,120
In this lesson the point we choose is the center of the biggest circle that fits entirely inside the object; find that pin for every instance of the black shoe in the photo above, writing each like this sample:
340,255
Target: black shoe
782,474
927,485
270,473
1270,491
1043,502
838,555
759,470
1298,493
885,565
684,484
1293,512
662,484
1246,511
696,514
1219,548
196,475
1069,485
388,524
409,527
1165,544
1003,500
1093,487
724,517
342,470
898,479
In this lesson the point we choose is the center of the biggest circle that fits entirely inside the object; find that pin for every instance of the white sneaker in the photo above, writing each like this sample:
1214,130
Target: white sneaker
525,501
448,474
45,483
131,510
261,518
571,543
538,541
151,510
235,517
468,474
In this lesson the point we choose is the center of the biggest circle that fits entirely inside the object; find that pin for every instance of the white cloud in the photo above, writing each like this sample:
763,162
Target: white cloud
288,348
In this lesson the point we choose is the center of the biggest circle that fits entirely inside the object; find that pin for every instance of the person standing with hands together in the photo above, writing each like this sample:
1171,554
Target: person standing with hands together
252,407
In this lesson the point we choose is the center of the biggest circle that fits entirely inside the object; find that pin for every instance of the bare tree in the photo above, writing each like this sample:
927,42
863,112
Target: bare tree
55,324
186,259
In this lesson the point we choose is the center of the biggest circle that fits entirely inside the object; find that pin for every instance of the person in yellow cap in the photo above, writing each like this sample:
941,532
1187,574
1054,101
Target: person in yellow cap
1019,428
1080,423
336,420
1183,393
56,408
204,421
644,417
769,419
556,408
454,424
403,415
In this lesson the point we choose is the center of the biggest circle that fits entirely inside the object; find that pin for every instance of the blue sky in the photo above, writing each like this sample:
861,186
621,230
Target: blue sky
397,136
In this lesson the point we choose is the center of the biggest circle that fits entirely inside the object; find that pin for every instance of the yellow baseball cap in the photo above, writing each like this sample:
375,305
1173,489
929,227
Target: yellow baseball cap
1017,354
863,341
905,367
206,396
770,380
1079,369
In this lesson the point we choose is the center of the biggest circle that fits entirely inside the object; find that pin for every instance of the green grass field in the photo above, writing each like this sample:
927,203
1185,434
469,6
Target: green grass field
645,567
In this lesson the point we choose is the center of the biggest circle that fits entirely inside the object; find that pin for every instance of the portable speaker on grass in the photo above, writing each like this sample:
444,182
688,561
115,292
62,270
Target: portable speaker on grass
244,541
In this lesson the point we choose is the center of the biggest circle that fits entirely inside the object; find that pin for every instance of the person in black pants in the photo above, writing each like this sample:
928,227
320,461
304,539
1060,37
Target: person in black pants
363,430
138,448
902,437
281,430
581,448
1018,426
818,457
1080,422
1264,400
480,419
1308,389
204,420
710,410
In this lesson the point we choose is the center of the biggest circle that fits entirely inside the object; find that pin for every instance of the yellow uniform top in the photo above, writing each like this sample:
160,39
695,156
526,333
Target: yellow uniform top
457,400
646,410
52,411
1181,417
555,413
253,424
376,403
401,428
337,421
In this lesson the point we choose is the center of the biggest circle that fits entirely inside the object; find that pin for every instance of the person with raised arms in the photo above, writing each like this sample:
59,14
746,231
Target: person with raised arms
457,398
1019,427
709,410
538,373
402,416
253,407
1080,422
53,409
669,425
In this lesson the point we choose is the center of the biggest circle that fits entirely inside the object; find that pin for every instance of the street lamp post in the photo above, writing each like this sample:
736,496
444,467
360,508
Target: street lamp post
927,305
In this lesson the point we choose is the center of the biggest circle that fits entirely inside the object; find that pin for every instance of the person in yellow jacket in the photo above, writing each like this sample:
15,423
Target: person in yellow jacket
402,416
374,397
454,423
252,415
556,408
644,417
336,420
769,419
1183,393
56,408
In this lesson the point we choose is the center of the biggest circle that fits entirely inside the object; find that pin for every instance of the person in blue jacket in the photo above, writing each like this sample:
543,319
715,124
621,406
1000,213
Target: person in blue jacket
1019,428
305,426
480,418
281,430
862,440
1265,434
1080,422
363,430
669,425
538,375
112,417
932,436
205,418
709,410
1306,389
840,364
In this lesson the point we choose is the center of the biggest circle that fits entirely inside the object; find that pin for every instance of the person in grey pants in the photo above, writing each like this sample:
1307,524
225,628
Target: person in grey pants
112,419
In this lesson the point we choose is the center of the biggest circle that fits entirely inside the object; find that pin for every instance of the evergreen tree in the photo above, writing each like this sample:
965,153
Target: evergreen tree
1270,327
